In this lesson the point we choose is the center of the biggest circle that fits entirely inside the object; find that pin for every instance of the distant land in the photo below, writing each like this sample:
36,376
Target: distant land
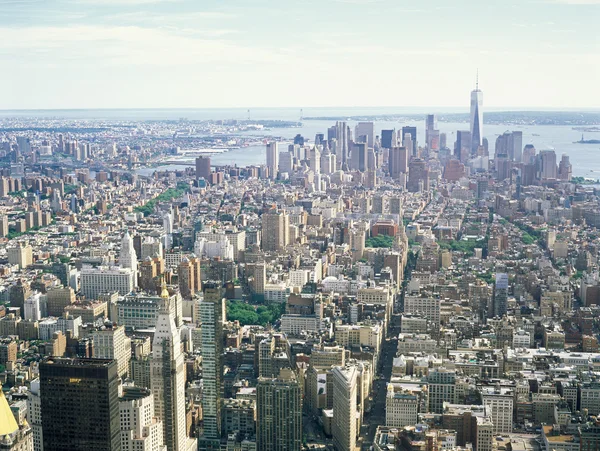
573,118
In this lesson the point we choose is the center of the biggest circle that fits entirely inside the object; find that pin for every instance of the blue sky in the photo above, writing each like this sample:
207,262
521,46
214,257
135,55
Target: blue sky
254,53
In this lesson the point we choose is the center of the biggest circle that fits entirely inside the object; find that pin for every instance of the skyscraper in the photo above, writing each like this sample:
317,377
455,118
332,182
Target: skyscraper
342,139
359,157
168,379
398,161
547,165
279,413
203,168
565,170
476,119
500,294
275,227
367,130
412,131
462,147
272,159
418,176
344,407
128,257
388,139
212,315
80,404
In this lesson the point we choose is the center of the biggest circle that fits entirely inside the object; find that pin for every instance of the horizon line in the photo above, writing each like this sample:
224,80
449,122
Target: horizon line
497,108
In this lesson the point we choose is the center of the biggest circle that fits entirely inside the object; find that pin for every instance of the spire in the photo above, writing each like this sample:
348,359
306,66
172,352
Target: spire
8,424
164,291
477,81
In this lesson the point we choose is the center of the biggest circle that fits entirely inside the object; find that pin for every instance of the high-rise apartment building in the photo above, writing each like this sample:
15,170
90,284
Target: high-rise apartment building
397,162
212,316
279,413
21,255
167,374
344,429
272,159
189,277
275,231
3,226
80,405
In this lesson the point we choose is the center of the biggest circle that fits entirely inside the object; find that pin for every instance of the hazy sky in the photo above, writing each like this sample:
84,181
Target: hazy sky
252,53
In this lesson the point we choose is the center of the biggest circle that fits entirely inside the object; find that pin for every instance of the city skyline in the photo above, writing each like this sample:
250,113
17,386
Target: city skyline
178,54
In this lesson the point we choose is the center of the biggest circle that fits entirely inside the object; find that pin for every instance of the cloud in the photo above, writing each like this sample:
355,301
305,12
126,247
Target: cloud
125,45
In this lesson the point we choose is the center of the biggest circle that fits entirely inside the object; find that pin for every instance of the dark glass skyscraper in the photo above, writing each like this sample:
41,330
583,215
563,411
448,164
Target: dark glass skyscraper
80,404
412,131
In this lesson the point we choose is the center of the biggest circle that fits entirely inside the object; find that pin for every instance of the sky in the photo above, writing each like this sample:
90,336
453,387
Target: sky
287,53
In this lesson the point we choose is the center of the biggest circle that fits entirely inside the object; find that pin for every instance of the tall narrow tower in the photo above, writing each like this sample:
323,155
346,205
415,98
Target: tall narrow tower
476,118
212,315
168,379
128,257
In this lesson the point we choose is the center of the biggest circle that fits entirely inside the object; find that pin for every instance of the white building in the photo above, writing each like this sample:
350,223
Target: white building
168,379
95,281
127,256
34,414
112,343
35,307
499,402
296,324
272,159
426,307
344,428
400,408
140,429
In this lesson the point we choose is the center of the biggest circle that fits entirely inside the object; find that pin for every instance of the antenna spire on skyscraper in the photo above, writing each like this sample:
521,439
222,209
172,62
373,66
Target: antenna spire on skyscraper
477,81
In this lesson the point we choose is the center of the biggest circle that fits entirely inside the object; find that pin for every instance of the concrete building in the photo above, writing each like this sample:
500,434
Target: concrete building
279,413
401,408
110,342
212,316
21,255
168,379
95,281
275,231
140,429
344,427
